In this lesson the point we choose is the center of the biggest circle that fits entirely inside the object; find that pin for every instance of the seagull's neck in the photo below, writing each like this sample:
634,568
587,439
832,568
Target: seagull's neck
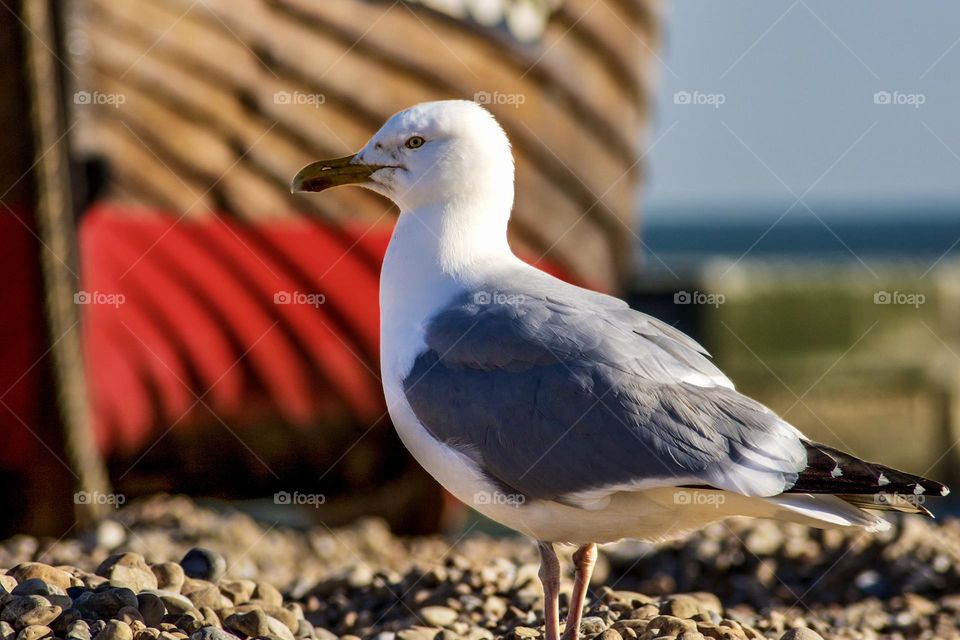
454,240
435,253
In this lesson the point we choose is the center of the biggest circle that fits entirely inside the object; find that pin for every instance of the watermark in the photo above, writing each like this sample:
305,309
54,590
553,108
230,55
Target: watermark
297,499
499,498
698,98
299,98
899,298
299,297
897,498
693,497
498,297
699,297
114,500
98,97
99,297
498,98
898,98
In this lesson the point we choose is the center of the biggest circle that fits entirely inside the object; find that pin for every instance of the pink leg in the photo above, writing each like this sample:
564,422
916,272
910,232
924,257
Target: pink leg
550,578
583,561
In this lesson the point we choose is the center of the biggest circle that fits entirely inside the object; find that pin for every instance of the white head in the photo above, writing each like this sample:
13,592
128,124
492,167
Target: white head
435,155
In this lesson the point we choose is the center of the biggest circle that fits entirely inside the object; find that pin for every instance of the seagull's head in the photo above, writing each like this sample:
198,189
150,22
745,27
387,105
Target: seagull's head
433,153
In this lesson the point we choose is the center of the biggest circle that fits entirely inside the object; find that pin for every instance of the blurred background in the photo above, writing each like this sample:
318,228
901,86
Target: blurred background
777,179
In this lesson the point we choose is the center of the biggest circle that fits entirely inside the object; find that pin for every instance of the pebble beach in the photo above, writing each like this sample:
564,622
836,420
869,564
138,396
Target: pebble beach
167,568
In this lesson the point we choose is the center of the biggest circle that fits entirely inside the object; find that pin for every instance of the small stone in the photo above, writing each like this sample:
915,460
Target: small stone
7,632
105,604
495,607
592,625
681,606
211,633
174,602
418,633
324,634
209,617
50,575
128,570
801,634
279,629
438,616
169,576
116,630
268,594
522,633
239,591
146,634
35,632
670,625
151,608
609,634
691,635
203,564
129,615
78,630
7,584
252,623
26,611
37,587
204,594
109,534
305,630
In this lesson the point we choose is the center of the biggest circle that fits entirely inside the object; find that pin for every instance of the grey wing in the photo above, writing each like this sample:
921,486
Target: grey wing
571,398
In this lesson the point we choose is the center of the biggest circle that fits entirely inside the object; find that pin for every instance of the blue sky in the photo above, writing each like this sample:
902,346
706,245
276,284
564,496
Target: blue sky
786,107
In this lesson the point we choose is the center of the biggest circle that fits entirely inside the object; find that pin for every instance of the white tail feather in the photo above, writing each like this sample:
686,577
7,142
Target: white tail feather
824,511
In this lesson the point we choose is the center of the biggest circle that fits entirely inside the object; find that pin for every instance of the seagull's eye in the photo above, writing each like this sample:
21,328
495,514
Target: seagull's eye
414,142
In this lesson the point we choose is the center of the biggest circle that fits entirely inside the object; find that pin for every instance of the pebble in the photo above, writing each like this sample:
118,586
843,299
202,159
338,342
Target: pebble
801,634
239,591
438,616
592,625
128,570
418,633
151,608
50,575
35,632
37,587
106,603
115,630
25,611
204,594
169,575
268,594
7,584
174,602
78,630
251,623
203,564
211,633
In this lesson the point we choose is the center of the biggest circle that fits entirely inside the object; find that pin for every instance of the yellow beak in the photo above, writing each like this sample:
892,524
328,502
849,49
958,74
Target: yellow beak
325,174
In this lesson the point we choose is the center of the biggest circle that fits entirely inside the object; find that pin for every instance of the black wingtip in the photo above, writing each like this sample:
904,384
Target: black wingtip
832,471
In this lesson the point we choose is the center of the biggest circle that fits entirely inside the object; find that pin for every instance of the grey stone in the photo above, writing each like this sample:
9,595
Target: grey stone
211,633
801,634
203,564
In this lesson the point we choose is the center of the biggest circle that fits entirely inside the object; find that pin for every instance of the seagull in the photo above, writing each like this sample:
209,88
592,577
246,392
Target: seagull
555,410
